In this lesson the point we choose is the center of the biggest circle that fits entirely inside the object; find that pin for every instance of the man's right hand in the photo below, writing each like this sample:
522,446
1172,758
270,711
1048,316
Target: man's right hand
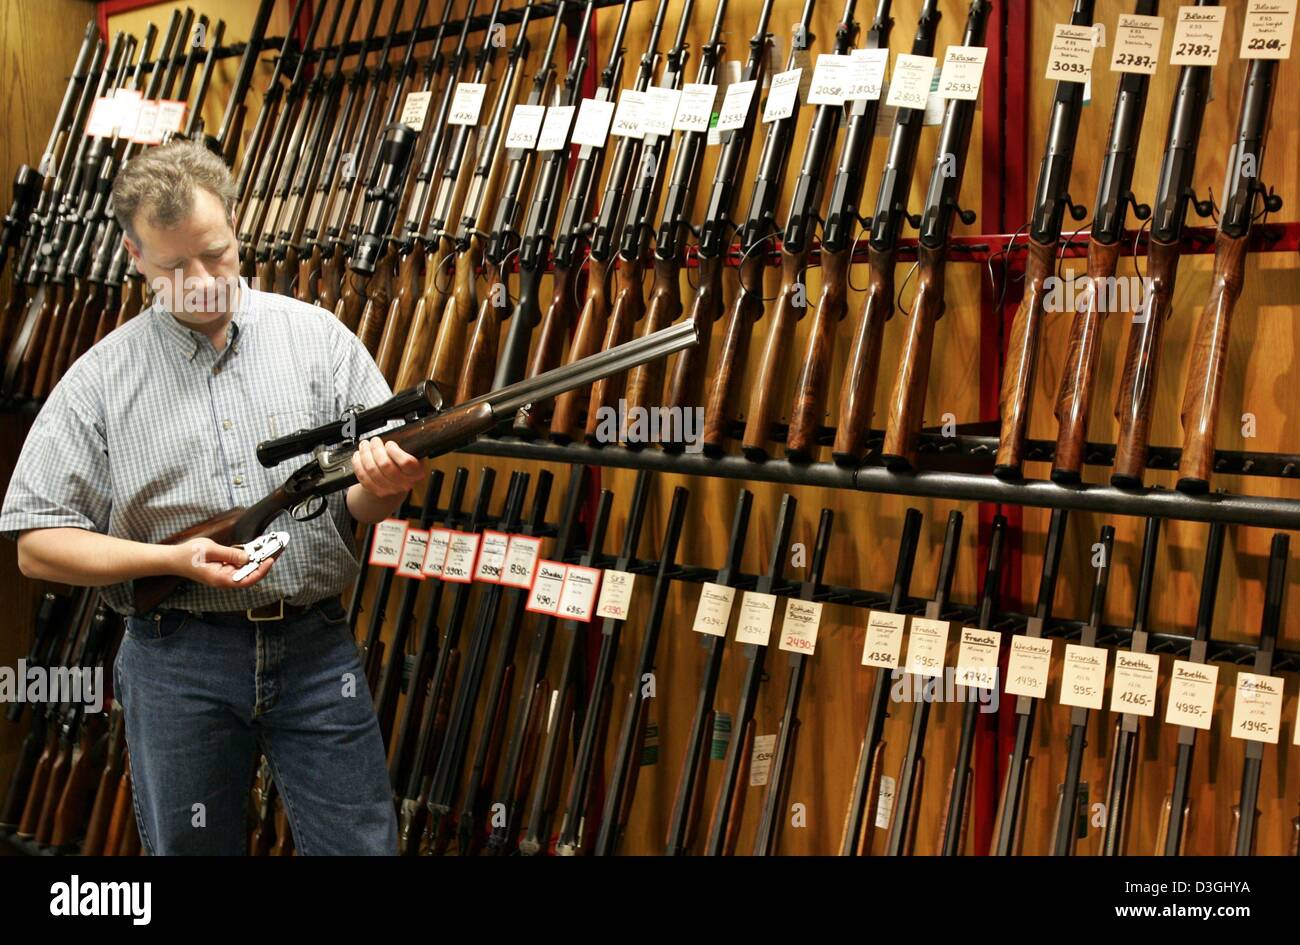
204,561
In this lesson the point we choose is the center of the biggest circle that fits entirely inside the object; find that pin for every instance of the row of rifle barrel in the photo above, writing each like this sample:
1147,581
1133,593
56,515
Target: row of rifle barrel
409,232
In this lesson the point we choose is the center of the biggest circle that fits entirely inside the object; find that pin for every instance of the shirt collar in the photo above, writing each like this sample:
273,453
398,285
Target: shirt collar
190,342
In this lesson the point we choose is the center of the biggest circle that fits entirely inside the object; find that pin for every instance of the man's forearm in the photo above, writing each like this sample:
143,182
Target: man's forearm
88,559
368,508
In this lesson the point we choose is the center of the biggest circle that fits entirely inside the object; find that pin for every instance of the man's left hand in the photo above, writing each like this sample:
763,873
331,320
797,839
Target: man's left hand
384,469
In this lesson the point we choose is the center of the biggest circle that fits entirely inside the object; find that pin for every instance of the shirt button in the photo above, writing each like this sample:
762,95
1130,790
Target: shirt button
226,424
239,480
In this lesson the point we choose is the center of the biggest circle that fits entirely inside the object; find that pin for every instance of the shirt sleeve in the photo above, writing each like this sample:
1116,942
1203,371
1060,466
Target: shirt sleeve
62,476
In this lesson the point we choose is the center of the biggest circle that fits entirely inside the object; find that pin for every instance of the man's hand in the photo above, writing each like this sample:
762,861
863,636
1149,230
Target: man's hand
385,470
206,562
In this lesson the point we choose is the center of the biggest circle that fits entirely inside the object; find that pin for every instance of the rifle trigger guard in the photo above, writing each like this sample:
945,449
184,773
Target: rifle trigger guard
308,509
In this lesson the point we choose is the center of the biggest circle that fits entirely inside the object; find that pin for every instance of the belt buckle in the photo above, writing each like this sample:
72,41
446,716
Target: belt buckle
279,616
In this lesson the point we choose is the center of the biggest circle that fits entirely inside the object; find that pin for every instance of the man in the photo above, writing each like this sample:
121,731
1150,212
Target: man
153,430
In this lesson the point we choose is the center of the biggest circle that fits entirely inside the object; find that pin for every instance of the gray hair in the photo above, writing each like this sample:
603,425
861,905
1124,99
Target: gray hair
161,181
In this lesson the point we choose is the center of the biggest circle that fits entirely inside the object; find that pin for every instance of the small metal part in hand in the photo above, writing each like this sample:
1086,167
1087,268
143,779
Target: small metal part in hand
259,549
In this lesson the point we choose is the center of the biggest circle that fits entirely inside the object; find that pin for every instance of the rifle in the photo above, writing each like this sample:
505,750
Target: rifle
1172,836
1008,824
593,317
567,697
1243,840
796,243
505,240
727,807
232,119
371,648
331,470
645,384
907,795
621,785
110,776
1123,764
778,784
958,804
1051,198
122,830
690,790
1200,410
860,821
907,399
1071,799
759,226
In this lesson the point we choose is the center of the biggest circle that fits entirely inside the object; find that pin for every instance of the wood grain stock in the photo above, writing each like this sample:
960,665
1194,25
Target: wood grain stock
329,283
548,351
858,390
686,386
91,313
426,316
1200,413
379,294
768,385
397,325
30,357
724,383
306,289
150,591
568,417
72,321
134,293
56,336
628,307
808,406
449,347
907,399
352,299
484,341
645,382
1021,360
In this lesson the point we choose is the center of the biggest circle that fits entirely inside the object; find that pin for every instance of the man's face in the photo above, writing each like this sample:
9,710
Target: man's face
193,267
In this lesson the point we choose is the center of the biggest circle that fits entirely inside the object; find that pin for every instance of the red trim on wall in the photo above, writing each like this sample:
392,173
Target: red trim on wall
109,8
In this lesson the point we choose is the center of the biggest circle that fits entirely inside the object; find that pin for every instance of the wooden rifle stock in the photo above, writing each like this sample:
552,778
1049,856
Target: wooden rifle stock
686,386
767,387
567,418
858,392
306,288
329,284
397,326
378,297
92,312
963,816
55,358
449,348
1021,360
808,407
485,338
73,810
122,821
115,750
735,805
724,387
426,316
283,845
694,805
645,384
907,400
48,301
548,351
627,310
40,781
263,836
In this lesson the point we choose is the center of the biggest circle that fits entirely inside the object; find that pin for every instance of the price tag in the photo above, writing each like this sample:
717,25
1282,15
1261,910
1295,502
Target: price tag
695,107
1257,709
436,553
1268,29
1071,57
414,548
521,560
963,68
171,117
491,557
1133,687
1083,677
735,105
867,76
884,640
386,547
926,646
555,128
462,550
466,103
760,760
1197,36
592,126
659,111
627,119
578,595
1191,694
977,658
911,85
544,598
1029,663
713,612
727,76
100,121
146,124
885,802
799,626
126,105
615,594
1137,43
754,625
414,109
525,125
830,81
782,96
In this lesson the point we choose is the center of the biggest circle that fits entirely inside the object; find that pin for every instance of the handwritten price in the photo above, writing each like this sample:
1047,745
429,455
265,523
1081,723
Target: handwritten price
1192,49
1190,708
1250,725
1075,67
1258,43
1131,59
1135,698
799,643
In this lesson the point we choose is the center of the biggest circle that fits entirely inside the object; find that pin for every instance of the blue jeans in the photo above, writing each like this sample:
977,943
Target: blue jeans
200,698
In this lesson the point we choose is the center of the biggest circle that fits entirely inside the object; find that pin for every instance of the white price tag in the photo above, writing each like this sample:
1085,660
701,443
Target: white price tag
735,105
977,658
171,117
760,760
544,598
1133,687
413,551
885,802
884,640
462,551
627,119
1197,36
910,87
713,612
1083,676
695,107
466,103
1071,57
436,553
1257,709
799,626
525,125
1028,664
754,624
867,77
555,128
615,594
592,126
659,111
830,81
126,106
521,560
1268,29
414,109
146,124
1192,688
963,68
782,96
102,118
926,646
386,547
1137,43
491,557
578,596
